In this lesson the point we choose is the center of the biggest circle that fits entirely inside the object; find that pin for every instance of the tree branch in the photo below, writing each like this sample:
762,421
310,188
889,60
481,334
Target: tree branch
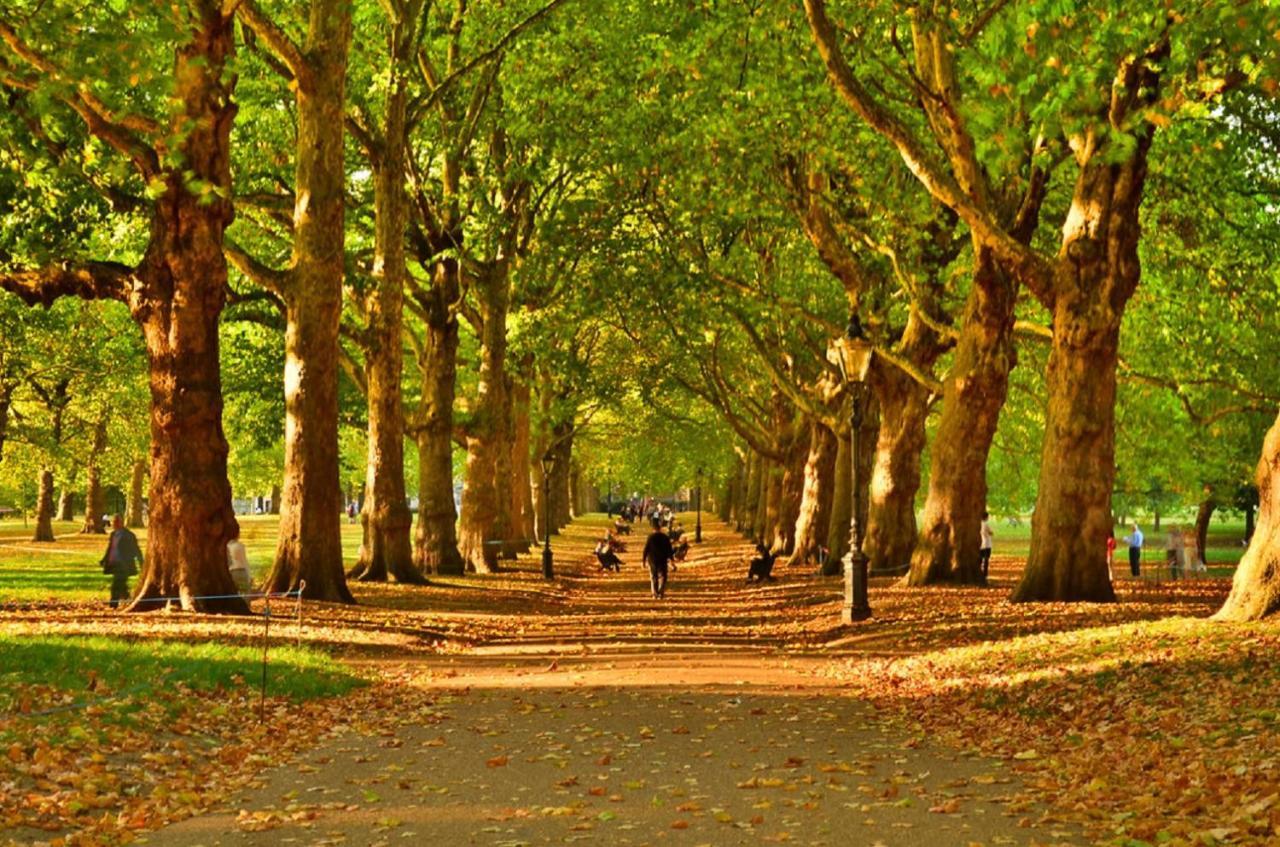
90,281
277,40
273,280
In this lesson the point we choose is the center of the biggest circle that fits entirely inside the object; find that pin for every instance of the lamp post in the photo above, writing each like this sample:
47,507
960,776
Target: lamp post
854,360
697,525
548,571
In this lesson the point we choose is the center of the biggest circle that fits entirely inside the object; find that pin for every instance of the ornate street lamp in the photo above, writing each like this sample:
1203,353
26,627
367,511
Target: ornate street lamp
697,526
547,460
855,354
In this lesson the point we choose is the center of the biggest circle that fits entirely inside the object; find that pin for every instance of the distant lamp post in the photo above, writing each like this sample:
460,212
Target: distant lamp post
697,525
854,360
548,571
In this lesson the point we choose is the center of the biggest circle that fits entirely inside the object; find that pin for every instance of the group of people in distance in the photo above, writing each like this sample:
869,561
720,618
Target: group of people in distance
1182,553
664,547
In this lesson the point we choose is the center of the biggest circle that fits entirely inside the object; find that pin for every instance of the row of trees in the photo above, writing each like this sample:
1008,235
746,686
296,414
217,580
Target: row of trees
492,234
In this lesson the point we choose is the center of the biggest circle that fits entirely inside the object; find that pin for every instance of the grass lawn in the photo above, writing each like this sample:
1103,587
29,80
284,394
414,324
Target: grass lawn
68,570
1223,548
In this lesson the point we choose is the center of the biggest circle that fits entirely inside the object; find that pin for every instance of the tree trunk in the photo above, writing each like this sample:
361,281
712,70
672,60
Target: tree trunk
484,506
762,518
44,507
750,495
521,490
94,497
436,539
562,460
275,500
310,544
387,521
1255,590
137,482
67,501
791,490
505,478
814,522
841,506
895,475
1248,523
1203,515
973,395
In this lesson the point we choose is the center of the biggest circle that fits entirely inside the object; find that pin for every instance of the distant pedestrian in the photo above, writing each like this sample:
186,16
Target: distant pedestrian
657,555
1111,551
121,559
238,561
1134,540
351,512
986,537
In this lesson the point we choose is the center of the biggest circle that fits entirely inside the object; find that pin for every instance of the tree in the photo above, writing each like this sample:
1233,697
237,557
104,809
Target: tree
176,292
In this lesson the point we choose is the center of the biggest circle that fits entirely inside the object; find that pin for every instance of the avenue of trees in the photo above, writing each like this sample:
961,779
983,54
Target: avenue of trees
352,250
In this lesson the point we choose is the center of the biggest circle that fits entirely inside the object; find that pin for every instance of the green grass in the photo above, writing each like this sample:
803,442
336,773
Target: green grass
68,570
1223,548
146,665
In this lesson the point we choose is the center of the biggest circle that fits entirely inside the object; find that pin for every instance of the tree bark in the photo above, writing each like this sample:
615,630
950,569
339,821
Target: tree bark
814,522
895,475
973,395
67,501
44,507
137,482
841,505
310,543
1203,515
1255,589
791,489
275,500
750,494
387,551
436,539
484,507
1096,273
562,460
93,494
521,488
762,519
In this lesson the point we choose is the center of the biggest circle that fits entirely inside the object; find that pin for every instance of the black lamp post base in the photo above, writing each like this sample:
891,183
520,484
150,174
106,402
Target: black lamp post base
548,569
856,606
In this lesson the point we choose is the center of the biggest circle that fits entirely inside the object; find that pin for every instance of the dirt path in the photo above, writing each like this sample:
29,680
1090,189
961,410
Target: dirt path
612,718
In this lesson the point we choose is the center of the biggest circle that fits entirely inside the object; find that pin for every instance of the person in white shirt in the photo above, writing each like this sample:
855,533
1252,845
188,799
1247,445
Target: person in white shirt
238,561
984,547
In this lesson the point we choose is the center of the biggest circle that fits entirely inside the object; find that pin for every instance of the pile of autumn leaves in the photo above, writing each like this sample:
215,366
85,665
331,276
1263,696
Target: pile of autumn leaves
1159,732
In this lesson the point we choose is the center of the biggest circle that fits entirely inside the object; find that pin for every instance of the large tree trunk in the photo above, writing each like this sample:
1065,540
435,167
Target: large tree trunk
67,501
791,490
506,478
750,494
44,507
814,521
483,525
761,522
562,460
973,395
1255,590
436,539
841,505
387,521
94,497
310,542
184,276
521,489
137,483
895,475
1096,273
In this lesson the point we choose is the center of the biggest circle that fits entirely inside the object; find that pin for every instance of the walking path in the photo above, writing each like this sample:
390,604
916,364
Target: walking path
618,719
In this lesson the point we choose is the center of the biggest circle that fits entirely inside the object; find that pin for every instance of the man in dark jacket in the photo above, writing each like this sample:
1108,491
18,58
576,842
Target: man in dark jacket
657,555
121,560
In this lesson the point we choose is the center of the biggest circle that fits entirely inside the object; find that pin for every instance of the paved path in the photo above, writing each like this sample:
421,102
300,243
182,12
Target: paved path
681,731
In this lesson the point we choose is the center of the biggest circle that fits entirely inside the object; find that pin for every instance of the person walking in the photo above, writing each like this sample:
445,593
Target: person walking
657,555
121,559
238,561
984,545
1134,540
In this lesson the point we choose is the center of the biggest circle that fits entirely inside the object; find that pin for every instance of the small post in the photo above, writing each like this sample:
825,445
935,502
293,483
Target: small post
302,586
266,634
